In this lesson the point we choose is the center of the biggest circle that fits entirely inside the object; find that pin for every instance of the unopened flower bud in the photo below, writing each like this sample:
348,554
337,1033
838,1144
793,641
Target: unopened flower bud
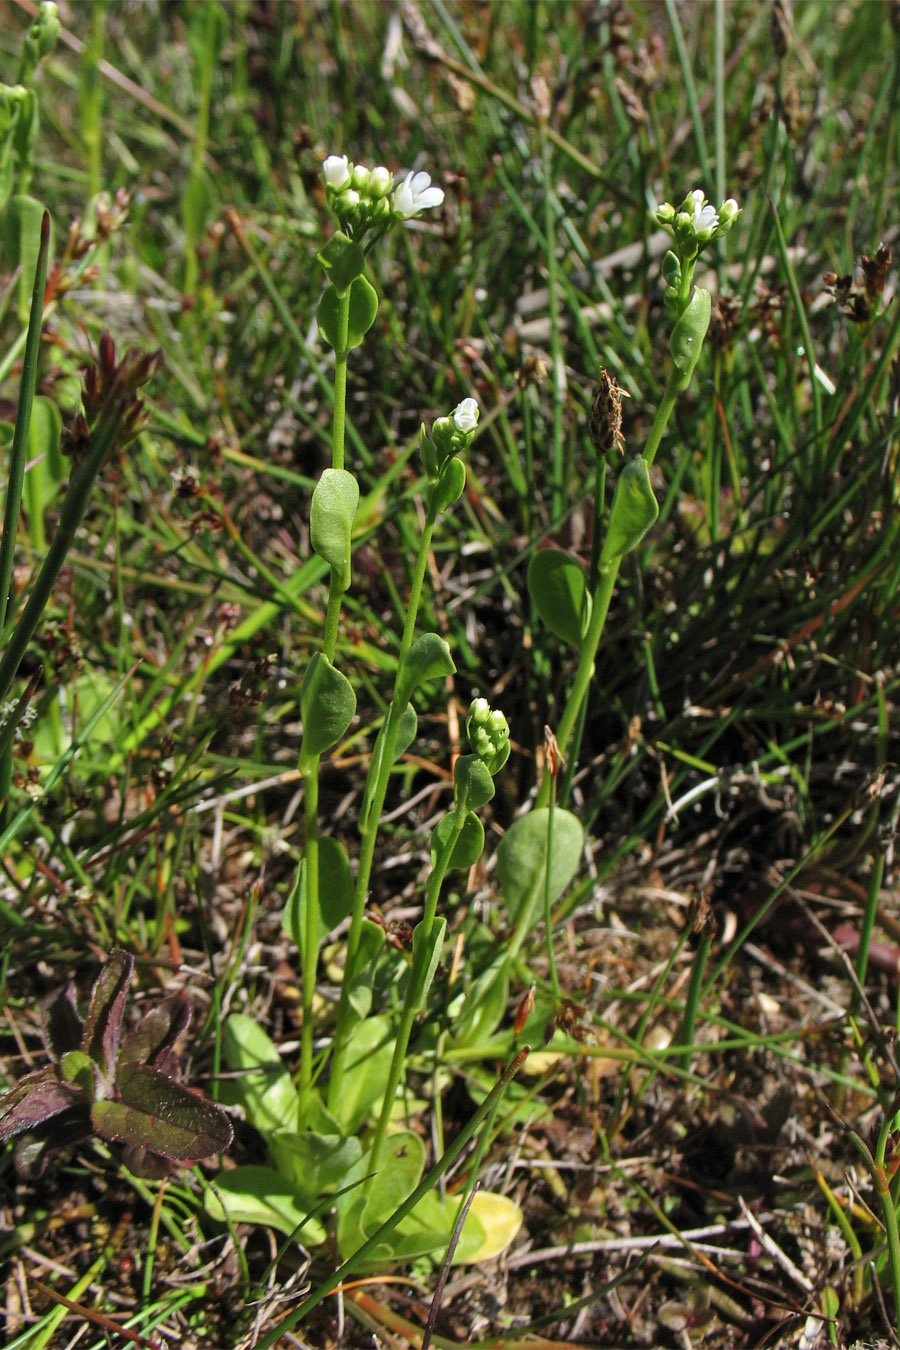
728,214
381,180
488,733
465,416
336,171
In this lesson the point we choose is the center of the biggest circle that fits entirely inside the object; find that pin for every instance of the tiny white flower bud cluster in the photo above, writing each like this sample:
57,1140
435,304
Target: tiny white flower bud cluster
488,733
696,222
362,197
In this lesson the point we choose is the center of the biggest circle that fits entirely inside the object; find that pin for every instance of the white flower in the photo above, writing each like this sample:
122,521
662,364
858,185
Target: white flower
416,194
705,220
465,415
336,171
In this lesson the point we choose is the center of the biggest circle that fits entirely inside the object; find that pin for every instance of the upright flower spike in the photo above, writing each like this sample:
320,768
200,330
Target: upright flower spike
416,193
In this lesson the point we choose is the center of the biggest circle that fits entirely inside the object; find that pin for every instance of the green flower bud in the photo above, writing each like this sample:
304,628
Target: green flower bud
488,733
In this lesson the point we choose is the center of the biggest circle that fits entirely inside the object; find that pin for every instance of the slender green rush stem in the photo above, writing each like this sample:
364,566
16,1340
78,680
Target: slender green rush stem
73,508
19,449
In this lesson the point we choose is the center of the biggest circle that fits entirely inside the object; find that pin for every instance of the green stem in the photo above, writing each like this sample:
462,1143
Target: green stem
415,988
310,953
16,475
601,600
369,831
548,925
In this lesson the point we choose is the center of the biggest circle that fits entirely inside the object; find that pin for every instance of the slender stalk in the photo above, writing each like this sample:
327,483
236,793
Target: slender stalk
602,597
369,830
310,953
415,988
692,1001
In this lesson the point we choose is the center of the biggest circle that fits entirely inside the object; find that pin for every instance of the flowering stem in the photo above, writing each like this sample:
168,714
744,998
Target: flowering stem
369,831
415,988
310,953
602,596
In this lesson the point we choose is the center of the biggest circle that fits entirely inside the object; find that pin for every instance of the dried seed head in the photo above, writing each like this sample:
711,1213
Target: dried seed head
606,415
782,27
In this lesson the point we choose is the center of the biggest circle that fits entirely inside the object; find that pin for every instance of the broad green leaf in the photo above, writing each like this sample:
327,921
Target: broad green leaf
428,658
634,510
331,516
369,1050
522,861
47,469
197,204
159,1114
360,1214
20,240
327,706
468,847
335,893
558,589
450,485
500,1219
321,1161
263,1196
264,1088
482,1007
473,784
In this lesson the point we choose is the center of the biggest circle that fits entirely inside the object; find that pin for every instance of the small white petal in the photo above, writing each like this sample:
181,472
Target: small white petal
416,194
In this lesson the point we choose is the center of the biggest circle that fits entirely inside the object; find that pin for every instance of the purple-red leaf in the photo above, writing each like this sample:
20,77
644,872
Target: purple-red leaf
34,1100
104,1020
63,1028
162,1116
153,1039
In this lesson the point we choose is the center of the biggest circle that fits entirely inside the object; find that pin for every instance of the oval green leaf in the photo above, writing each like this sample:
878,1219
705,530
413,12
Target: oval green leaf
327,706
558,589
428,658
634,510
262,1196
331,515
523,855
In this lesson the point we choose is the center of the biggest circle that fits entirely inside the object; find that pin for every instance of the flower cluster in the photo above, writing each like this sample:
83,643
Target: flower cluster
362,198
693,225
449,437
696,222
488,733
